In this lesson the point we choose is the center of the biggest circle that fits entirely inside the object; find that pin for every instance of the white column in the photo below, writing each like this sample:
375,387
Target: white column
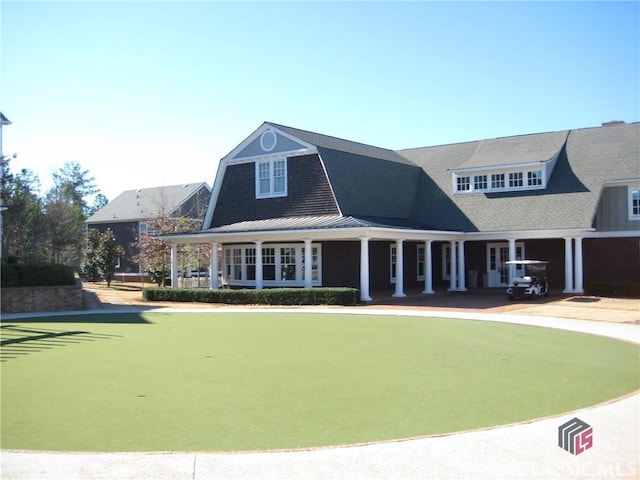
174,265
462,287
568,266
258,244
213,265
428,274
308,263
364,269
454,267
399,269
512,257
578,273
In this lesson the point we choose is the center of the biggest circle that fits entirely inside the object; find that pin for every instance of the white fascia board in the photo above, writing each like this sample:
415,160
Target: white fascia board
373,233
230,159
622,182
615,234
326,176
215,191
506,167
529,234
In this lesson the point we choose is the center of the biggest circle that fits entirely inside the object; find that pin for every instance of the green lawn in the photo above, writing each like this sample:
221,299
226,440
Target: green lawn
237,381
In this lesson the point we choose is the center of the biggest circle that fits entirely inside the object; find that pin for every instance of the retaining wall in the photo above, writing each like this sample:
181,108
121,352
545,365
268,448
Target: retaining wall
41,299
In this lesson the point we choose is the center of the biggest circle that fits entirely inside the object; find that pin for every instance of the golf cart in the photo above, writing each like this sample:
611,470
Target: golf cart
532,284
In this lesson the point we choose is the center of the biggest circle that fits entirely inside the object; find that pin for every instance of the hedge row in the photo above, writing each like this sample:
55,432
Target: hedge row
270,296
36,275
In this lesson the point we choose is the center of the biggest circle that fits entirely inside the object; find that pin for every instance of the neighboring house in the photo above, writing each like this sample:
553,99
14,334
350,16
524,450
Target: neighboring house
128,214
295,208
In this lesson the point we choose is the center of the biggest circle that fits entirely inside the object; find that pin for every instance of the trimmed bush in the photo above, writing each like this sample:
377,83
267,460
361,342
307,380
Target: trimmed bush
271,296
36,275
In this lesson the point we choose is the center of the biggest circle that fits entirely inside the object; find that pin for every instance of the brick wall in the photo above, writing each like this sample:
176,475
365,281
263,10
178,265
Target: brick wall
41,299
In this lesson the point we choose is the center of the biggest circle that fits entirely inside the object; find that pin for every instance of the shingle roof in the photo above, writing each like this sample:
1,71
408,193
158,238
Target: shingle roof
367,181
540,147
144,203
589,158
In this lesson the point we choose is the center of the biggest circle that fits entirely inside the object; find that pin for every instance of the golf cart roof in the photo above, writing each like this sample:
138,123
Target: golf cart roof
526,262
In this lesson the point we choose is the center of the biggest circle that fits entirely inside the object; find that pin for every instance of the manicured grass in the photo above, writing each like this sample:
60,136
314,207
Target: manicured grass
237,381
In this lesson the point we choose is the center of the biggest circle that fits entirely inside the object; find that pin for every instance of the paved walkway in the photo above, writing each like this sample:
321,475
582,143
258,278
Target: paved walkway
523,451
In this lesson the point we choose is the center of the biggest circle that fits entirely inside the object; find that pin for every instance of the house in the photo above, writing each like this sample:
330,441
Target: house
128,214
291,207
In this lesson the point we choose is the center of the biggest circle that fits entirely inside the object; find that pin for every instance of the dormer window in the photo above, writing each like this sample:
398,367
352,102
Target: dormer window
271,178
463,184
507,179
534,178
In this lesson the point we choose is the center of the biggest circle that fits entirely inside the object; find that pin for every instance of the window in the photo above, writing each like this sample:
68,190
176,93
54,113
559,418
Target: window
515,180
420,265
634,202
446,261
463,184
392,265
237,264
497,181
534,178
271,178
269,263
250,261
287,263
282,264
480,182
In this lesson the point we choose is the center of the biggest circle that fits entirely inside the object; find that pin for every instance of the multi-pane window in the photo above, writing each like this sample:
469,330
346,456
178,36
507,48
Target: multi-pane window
463,184
515,179
250,262
237,264
534,178
269,263
480,182
421,260
392,265
282,264
497,181
271,178
446,261
634,207
287,263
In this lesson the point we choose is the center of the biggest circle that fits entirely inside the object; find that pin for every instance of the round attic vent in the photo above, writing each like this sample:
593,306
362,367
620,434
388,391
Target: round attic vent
268,140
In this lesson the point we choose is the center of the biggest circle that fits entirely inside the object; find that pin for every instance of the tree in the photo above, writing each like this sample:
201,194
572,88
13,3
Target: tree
109,252
89,268
23,229
66,210
154,255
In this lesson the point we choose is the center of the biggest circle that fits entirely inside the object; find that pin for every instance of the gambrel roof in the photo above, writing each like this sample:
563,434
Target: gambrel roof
413,188
144,203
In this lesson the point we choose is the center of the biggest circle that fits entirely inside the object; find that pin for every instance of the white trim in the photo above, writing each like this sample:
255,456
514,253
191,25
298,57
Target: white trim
635,187
298,248
272,193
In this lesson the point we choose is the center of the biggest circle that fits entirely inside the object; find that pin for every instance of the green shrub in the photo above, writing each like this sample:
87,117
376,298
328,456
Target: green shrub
271,296
36,275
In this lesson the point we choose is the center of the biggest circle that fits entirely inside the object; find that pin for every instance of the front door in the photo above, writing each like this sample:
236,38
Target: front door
497,270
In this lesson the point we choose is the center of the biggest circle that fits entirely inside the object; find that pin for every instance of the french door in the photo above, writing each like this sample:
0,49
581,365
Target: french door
497,269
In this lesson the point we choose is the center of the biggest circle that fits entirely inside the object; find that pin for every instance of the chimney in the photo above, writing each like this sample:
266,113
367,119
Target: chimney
613,123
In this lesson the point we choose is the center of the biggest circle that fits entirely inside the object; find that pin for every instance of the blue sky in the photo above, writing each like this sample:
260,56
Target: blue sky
146,94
